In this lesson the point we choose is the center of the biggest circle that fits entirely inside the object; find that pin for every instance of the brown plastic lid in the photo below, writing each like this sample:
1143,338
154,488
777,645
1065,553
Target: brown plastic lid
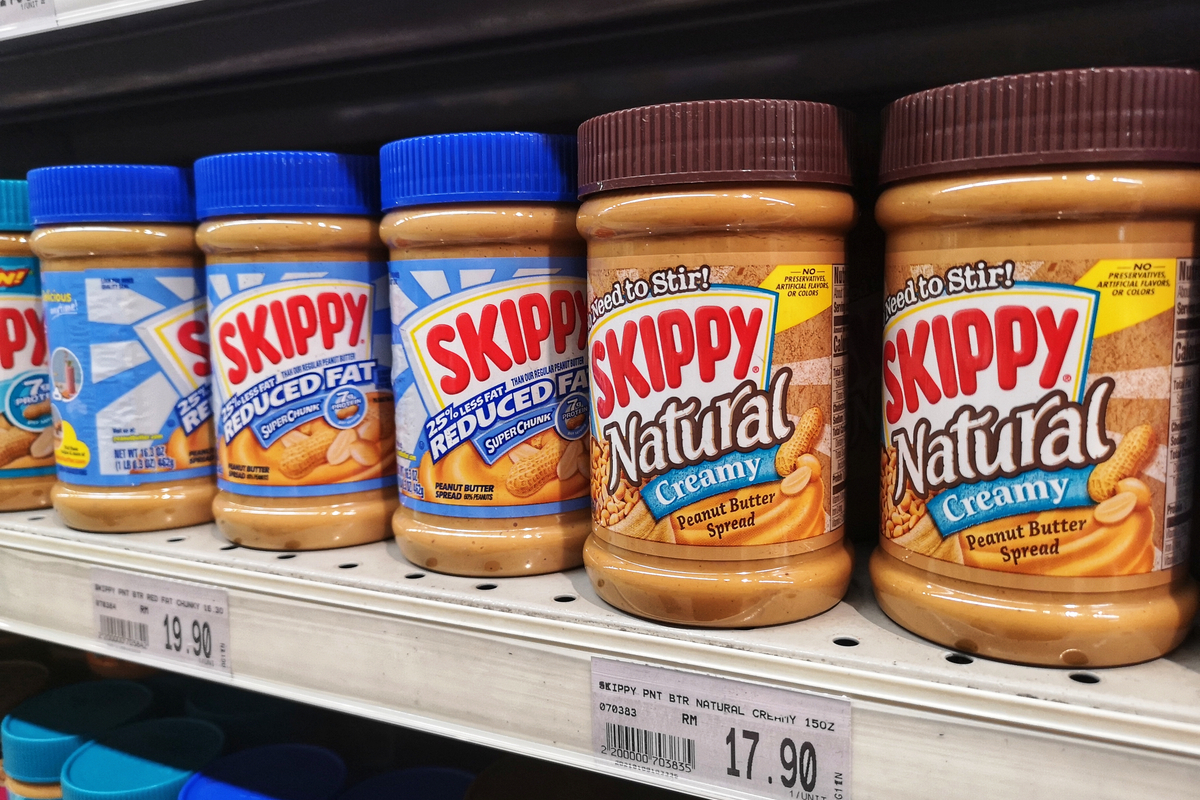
714,141
1129,114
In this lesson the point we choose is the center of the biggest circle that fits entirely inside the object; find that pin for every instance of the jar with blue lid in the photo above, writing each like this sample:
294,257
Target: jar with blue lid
41,733
127,333
26,440
489,326
149,760
297,282
272,772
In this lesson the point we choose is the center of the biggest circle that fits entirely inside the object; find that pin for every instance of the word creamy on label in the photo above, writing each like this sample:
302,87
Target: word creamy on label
182,622
698,730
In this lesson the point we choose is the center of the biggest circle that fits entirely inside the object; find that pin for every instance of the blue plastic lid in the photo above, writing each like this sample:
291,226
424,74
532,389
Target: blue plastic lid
110,193
478,167
145,761
420,783
288,182
41,733
14,206
277,771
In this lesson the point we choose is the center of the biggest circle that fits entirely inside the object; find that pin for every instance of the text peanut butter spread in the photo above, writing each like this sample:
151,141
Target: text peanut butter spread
1040,365
297,286
127,332
715,299
26,437
489,324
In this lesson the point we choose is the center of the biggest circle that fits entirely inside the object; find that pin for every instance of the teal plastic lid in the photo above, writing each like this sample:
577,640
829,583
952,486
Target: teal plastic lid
41,733
14,206
149,760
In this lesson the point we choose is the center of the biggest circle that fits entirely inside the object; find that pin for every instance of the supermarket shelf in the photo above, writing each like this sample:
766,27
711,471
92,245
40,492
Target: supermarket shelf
509,666
24,17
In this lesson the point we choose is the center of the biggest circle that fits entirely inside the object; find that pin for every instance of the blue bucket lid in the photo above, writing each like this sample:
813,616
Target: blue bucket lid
14,206
273,772
419,783
145,761
41,733
478,167
286,182
110,193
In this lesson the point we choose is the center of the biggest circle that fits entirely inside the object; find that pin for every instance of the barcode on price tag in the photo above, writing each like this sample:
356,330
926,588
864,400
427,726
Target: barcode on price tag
179,621
698,730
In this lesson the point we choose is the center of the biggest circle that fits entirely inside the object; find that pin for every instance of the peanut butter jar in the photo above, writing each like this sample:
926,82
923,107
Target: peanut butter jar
127,332
297,283
1040,364
26,438
716,270
489,327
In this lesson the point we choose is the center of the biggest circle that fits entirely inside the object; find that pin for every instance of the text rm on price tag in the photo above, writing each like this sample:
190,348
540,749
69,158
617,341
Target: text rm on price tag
165,619
758,741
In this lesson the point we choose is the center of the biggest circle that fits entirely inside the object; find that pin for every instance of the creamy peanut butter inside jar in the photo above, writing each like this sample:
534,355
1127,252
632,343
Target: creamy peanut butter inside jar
26,437
716,270
489,327
127,332
297,286
1040,364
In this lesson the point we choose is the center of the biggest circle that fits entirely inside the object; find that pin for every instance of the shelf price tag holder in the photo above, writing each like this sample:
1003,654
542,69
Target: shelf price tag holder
181,622
758,741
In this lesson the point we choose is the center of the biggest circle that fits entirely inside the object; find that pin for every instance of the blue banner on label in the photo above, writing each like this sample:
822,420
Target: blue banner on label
682,487
129,367
968,505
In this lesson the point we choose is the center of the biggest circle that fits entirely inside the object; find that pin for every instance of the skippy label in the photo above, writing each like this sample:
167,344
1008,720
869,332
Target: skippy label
302,354
491,385
129,368
1039,415
26,440
717,405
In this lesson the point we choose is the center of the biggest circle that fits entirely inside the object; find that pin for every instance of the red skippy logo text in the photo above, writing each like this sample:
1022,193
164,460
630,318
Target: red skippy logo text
507,333
270,329
683,382
21,330
991,384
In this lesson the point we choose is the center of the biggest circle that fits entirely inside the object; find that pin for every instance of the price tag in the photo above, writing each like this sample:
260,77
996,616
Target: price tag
182,622
26,16
757,741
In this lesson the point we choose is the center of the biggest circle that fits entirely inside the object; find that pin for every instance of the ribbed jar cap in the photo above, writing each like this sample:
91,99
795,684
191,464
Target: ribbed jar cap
489,166
1076,116
110,193
425,783
14,206
145,761
286,182
273,772
41,733
715,141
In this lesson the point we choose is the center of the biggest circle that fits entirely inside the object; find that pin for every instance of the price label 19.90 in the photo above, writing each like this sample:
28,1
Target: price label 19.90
758,741
179,621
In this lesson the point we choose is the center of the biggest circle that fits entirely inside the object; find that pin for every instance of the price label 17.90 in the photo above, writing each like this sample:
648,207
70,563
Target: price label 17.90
182,622
758,741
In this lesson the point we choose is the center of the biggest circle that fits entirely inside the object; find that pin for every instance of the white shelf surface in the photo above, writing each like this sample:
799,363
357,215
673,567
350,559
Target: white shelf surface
362,630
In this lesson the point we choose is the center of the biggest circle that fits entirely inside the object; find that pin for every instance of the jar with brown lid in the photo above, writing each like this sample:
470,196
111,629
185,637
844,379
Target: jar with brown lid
716,269
26,437
297,282
127,330
489,328
1040,364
